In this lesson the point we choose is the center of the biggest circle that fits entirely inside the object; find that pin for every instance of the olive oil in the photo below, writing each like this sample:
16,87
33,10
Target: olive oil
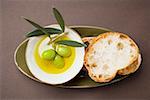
48,66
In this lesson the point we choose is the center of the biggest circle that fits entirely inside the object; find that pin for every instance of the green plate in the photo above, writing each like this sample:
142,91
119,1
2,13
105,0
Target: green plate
82,80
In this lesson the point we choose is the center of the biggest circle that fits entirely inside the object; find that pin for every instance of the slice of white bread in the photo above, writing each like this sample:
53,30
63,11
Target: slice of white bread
111,53
125,71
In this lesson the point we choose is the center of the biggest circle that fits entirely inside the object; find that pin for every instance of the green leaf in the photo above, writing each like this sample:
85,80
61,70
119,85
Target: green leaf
38,32
37,26
71,43
59,19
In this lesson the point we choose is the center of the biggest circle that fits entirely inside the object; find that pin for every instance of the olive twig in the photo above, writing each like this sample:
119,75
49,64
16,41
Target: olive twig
57,37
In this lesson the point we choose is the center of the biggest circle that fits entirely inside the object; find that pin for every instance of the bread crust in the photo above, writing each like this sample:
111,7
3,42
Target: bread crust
87,39
96,78
132,66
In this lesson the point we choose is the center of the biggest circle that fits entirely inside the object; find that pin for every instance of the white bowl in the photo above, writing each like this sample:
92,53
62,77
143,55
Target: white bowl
55,78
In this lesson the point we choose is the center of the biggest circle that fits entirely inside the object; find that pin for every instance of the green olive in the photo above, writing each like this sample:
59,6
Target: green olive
59,61
64,51
49,54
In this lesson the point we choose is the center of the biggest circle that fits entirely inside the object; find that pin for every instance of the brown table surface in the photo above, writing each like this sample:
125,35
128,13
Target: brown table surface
128,16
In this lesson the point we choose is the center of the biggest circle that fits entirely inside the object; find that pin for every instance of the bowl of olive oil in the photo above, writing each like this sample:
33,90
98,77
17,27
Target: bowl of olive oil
54,63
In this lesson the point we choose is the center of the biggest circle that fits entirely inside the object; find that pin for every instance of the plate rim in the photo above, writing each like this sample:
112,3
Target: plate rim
15,61
88,26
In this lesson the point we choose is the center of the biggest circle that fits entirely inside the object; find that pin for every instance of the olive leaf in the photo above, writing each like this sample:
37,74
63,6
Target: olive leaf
59,19
71,43
37,26
38,32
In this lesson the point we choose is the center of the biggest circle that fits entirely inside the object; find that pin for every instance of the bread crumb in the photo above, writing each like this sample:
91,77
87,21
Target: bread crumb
123,37
94,65
100,76
132,45
105,67
120,46
109,42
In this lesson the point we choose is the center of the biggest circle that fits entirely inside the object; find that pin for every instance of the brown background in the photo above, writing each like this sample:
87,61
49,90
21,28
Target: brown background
128,16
